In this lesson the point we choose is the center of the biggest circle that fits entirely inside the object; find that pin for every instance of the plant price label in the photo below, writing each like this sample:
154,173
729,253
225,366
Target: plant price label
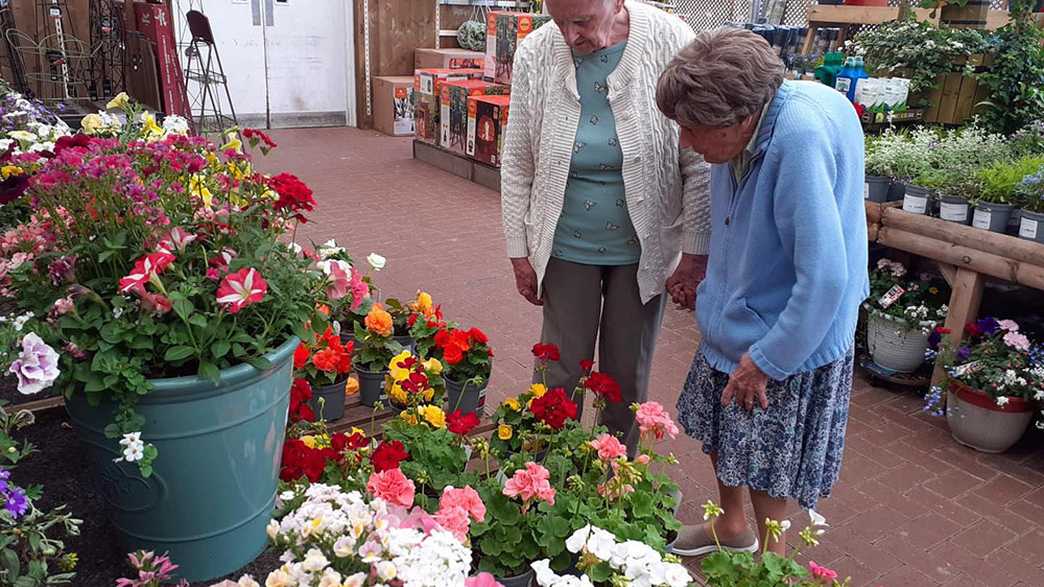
1028,228
915,205
962,370
866,191
981,219
953,212
891,296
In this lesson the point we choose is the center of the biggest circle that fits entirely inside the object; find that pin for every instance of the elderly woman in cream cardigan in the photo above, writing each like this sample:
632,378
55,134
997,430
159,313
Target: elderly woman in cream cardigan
603,213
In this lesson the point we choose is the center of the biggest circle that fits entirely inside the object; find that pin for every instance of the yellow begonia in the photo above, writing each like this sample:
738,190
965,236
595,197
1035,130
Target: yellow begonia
424,304
512,402
504,432
399,373
10,170
398,395
409,417
309,441
119,102
352,386
433,366
434,416
537,389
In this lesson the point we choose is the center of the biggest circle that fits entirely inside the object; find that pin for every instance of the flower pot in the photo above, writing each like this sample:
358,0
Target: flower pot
213,487
977,421
407,343
894,344
915,200
1031,226
465,396
992,217
371,387
954,209
970,16
524,580
896,191
876,188
333,401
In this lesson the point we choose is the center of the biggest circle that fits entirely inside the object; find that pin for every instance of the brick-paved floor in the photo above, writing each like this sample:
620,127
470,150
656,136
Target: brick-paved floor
912,507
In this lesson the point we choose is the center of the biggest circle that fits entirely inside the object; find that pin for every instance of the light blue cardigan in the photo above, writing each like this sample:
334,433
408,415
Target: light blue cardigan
788,257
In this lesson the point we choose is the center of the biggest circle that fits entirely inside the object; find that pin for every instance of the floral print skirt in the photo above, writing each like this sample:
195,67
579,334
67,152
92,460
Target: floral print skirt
791,450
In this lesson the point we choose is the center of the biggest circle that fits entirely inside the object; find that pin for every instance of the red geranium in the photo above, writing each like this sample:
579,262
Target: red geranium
586,365
253,135
462,424
554,408
301,356
300,394
301,461
293,194
546,352
388,455
341,441
605,386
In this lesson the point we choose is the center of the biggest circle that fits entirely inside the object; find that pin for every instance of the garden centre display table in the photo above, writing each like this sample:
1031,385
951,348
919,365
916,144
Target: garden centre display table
966,256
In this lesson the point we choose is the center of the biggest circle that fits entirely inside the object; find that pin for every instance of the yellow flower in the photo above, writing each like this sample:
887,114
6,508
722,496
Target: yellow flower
10,170
433,366
352,386
537,389
399,373
512,402
356,430
150,130
428,394
933,290
409,417
92,124
398,395
309,441
233,144
121,101
504,432
198,188
424,304
433,415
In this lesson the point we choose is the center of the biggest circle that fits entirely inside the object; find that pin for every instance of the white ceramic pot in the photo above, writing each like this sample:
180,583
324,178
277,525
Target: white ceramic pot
977,421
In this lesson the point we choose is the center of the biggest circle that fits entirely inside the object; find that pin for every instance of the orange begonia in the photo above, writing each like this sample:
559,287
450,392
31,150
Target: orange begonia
378,321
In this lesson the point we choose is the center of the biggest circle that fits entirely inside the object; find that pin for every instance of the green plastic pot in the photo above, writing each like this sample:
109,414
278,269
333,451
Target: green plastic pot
214,483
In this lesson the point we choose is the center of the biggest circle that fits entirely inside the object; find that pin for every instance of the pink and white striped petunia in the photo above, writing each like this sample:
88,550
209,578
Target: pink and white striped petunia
179,238
145,269
240,289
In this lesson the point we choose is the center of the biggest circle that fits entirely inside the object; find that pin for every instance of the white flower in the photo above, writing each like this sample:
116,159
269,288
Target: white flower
344,547
330,578
44,146
295,248
314,561
117,311
272,529
280,578
329,249
376,261
817,519
19,322
23,136
675,575
785,524
356,580
544,575
133,447
1039,395
386,570
1002,401
576,542
175,124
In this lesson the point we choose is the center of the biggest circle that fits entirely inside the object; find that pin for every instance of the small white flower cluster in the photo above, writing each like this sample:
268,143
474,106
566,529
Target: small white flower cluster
636,564
329,249
133,447
333,529
18,322
894,267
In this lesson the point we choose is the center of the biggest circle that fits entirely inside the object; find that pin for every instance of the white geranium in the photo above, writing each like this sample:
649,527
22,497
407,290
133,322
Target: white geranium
376,261
329,249
634,563
175,124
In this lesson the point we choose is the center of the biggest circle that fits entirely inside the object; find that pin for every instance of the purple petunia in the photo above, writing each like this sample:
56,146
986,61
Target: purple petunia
988,326
17,503
963,353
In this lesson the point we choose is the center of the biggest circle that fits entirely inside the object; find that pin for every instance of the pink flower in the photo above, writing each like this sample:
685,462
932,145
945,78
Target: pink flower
454,519
62,306
418,519
339,275
240,289
482,580
608,447
465,498
219,264
391,486
145,269
36,366
155,303
360,290
76,352
822,574
652,418
1009,325
1017,341
531,483
179,238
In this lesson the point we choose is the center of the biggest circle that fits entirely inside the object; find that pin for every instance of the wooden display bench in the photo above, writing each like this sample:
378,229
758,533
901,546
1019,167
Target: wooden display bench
966,257
457,164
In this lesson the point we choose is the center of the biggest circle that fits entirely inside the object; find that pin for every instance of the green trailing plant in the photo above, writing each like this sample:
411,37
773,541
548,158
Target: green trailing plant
1000,182
1016,78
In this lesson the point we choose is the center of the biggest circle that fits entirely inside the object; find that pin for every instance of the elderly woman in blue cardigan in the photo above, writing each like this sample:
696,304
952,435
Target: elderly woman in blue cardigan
768,390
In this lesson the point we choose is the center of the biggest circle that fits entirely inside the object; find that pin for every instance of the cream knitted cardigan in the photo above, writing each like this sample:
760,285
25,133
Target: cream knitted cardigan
666,189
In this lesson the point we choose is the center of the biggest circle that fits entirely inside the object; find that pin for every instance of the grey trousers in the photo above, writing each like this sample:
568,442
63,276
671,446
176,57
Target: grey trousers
588,303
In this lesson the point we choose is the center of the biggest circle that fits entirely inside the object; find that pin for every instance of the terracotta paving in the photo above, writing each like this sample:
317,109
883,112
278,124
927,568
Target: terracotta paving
912,506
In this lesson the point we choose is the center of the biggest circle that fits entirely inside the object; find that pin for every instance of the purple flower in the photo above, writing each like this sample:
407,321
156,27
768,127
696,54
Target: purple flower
934,339
988,326
61,269
963,353
17,503
36,366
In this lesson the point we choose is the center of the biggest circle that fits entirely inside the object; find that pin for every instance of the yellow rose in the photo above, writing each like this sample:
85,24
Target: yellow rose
433,366
399,373
121,101
504,432
92,124
434,416
309,441
537,389
352,387
512,402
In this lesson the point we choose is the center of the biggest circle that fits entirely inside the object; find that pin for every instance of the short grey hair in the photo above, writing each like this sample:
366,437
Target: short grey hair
720,79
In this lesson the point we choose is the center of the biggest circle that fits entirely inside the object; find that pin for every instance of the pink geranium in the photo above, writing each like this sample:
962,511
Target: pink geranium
393,487
822,574
482,580
455,519
653,419
240,289
609,447
531,483
1017,341
465,498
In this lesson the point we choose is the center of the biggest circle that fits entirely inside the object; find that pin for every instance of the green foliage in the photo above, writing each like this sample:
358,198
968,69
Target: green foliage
373,352
1016,78
437,458
1000,181
740,569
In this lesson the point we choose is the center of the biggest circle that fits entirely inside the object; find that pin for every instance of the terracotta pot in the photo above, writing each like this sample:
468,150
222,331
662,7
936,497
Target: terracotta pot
977,421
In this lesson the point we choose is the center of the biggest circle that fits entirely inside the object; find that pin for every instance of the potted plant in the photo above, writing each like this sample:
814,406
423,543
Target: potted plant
374,349
994,385
350,292
1031,222
997,197
425,321
901,313
325,364
401,323
413,381
167,289
312,454
469,362
437,457
953,189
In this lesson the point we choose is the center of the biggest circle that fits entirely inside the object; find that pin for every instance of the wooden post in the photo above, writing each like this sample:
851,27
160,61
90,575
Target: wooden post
965,299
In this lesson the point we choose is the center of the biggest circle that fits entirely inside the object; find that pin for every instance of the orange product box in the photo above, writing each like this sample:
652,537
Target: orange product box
487,123
504,31
427,81
453,114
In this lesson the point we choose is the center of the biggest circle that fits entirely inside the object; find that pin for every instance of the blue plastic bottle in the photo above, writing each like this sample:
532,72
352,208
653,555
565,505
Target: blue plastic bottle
849,76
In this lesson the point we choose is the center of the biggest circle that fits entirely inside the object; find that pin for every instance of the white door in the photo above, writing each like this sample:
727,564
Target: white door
287,61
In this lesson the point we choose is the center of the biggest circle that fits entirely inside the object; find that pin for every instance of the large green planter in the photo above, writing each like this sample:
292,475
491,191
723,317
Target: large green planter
214,484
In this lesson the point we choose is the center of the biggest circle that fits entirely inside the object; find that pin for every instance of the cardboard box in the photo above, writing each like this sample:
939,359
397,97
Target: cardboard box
453,117
393,105
504,31
448,59
426,81
426,117
487,122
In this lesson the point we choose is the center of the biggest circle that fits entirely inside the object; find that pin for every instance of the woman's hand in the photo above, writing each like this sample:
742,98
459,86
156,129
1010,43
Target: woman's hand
682,284
526,280
746,385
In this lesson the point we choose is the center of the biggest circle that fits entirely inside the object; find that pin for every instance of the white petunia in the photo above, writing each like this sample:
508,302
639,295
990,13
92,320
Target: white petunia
314,561
376,261
175,124
1002,401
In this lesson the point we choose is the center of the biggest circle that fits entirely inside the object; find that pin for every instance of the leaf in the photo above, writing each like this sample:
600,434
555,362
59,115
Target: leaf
209,371
259,363
178,353
9,561
198,320
183,308
220,348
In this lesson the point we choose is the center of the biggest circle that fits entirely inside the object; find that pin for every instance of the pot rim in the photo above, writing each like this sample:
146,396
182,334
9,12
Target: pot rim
977,397
236,375
994,206
879,314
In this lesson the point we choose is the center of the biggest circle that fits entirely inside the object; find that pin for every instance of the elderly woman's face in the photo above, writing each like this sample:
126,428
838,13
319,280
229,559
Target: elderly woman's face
718,145
587,25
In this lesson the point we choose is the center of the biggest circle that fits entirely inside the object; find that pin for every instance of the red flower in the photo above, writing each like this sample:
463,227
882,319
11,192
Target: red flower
341,441
145,269
453,344
478,336
554,408
252,135
972,329
301,461
73,141
300,393
605,386
412,320
586,365
294,195
546,352
155,303
461,424
388,455
240,289
301,356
